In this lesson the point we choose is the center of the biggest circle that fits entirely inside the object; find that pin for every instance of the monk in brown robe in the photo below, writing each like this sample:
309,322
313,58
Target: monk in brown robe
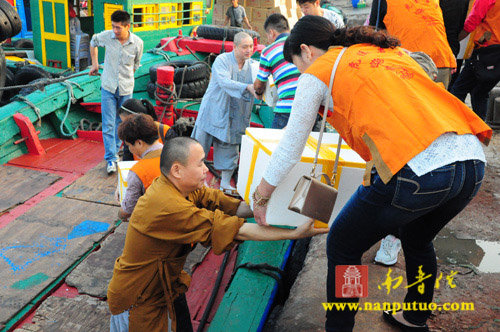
177,210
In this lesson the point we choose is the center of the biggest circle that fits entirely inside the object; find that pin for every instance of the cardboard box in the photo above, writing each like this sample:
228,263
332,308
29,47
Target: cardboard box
218,22
259,14
219,12
123,168
271,3
279,9
248,12
256,148
252,3
223,2
290,4
299,13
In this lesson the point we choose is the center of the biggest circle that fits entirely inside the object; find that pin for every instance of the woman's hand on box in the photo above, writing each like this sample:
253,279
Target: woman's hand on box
259,213
261,197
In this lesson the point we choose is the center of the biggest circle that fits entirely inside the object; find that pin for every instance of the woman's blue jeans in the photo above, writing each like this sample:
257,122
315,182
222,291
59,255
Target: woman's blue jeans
414,207
110,104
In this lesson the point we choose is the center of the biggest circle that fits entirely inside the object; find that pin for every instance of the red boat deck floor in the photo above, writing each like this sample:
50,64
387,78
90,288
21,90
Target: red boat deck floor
69,159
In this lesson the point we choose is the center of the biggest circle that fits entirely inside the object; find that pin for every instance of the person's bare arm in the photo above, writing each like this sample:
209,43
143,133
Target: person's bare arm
259,87
254,232
226,21
95,62
247,23
244,211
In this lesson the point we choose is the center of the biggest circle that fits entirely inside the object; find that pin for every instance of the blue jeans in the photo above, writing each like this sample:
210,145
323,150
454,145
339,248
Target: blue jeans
479,90
110,104
418,208
280,120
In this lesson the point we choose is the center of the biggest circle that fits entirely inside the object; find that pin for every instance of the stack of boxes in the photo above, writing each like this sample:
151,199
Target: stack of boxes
257,11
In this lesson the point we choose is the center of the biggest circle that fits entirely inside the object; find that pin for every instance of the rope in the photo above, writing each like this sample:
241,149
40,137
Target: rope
41,85
33,106
159,51
71,100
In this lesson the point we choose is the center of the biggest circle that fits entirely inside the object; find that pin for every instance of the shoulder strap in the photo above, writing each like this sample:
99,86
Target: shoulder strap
325,115
162,132
378,15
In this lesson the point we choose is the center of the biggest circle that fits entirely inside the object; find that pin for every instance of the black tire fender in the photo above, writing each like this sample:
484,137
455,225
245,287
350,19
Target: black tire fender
28,74
151,89
5,26
29,89
23,43
12,16
193,89
194,71
3,70
220,33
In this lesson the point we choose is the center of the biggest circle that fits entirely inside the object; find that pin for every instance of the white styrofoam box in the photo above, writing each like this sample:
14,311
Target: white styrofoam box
256,149
123,168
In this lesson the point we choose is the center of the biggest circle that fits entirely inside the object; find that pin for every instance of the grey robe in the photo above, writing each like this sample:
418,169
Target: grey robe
227,105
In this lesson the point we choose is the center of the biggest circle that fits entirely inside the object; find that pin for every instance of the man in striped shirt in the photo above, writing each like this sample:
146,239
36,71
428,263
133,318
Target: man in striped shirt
272,62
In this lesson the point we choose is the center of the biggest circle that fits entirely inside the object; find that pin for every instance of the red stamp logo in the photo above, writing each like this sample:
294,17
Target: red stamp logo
351,281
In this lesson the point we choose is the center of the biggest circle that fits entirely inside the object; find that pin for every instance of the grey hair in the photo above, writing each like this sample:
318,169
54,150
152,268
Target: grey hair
238,38
175,150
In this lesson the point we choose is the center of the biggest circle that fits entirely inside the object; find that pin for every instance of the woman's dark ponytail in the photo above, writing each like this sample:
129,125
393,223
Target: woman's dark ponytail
317,31
150,109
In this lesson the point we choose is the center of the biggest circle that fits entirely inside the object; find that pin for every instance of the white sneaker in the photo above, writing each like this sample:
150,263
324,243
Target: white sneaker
389,249
111,167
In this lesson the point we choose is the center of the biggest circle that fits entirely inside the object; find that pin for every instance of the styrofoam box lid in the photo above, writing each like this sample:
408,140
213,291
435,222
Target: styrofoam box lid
124,167
268,140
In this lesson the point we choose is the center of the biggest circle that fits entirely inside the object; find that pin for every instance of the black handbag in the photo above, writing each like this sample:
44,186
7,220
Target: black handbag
486,63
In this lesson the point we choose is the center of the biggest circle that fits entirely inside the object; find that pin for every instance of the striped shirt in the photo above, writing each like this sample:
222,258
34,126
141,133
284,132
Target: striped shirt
285,74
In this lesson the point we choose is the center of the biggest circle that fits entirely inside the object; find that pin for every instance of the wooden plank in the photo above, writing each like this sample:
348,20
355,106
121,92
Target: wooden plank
95,186
19,185
80,314
92,276
41,244
247,299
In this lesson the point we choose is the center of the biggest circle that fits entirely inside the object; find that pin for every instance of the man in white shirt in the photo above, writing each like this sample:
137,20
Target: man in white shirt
122,58
312,7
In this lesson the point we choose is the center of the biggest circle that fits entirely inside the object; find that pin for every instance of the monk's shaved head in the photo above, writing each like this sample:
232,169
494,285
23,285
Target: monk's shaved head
176,149
240,36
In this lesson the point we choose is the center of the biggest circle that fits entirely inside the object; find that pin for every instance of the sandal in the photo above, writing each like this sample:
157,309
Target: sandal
230,192
389,318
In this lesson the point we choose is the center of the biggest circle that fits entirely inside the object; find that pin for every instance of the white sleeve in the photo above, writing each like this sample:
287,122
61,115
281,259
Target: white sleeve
309,95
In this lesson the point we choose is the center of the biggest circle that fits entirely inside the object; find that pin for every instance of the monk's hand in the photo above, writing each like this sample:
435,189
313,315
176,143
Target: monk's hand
251,89
307,230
